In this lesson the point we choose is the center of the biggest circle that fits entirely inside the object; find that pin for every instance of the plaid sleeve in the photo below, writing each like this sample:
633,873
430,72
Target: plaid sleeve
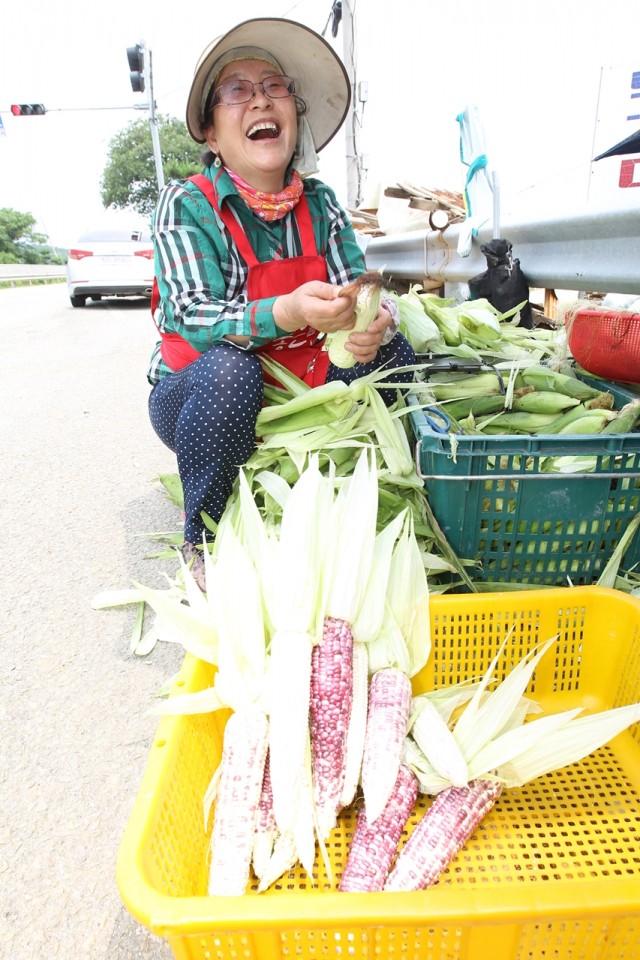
345,259
201,277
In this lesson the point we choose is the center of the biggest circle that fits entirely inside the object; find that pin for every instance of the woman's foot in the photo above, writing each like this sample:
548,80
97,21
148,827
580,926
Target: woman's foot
194,559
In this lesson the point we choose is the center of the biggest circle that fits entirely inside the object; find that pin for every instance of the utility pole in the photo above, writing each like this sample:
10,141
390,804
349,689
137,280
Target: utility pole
349,58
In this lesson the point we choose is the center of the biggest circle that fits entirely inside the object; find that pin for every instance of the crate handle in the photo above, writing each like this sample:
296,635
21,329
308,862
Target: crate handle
518,476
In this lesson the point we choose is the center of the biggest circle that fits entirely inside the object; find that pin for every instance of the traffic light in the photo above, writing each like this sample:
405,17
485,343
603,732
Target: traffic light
27,109
135,55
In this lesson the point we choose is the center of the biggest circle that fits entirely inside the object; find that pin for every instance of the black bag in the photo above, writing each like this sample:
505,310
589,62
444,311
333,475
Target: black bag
503,284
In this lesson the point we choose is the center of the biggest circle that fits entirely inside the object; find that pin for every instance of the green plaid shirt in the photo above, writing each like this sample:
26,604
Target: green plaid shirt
202,278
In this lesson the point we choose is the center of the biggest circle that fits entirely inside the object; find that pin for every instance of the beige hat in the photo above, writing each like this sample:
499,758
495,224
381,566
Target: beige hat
321,79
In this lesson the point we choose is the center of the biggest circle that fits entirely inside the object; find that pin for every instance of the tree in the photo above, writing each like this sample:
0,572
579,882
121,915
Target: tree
129,179
19,243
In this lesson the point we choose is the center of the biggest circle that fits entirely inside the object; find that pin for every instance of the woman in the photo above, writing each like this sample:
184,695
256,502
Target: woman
251,258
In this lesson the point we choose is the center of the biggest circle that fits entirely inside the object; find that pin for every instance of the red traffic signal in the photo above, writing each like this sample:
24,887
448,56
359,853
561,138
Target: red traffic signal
27,109
135,56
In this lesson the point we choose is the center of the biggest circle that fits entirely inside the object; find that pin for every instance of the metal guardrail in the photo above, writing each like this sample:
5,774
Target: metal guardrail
26,272
594,252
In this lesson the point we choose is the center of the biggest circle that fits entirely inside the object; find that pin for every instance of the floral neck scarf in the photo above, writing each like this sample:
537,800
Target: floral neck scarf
269,206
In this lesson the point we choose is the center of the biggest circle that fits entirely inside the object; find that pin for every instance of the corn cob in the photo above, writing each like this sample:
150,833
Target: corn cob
593,421
373,845
243,757
329,712
569,416
604,401
368,287
478,406
472,385
266,830
450,821
517,422
387,720
357,724
543,378
626,419
544,401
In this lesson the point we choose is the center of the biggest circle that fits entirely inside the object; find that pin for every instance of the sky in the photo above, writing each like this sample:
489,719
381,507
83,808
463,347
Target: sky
550,80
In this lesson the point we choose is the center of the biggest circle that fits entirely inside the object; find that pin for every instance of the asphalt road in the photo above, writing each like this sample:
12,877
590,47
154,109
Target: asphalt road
77,503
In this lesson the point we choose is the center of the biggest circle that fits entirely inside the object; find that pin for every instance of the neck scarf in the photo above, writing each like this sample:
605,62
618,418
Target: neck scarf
269,206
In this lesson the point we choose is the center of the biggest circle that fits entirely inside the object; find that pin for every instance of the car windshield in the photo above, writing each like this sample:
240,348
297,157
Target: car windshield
118,235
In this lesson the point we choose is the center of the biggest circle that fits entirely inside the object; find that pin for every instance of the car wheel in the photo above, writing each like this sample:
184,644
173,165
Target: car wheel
78,301
96,297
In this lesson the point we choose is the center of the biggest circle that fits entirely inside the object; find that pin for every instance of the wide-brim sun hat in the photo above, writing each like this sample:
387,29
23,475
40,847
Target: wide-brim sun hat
320,77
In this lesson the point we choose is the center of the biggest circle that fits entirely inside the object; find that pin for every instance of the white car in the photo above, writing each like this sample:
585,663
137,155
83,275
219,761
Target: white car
110,262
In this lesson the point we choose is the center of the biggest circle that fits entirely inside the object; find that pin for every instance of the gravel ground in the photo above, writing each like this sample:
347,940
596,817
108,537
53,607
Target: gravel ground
77,498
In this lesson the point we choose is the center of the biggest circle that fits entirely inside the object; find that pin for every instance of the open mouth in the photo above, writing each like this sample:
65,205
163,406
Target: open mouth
266,130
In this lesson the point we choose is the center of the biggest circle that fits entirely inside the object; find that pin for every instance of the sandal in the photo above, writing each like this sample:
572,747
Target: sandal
195,562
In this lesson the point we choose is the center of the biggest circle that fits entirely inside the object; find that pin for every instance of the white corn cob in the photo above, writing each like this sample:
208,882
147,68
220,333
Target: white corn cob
329,712
387,720
451,819
368,286
374,845
236,810
357,724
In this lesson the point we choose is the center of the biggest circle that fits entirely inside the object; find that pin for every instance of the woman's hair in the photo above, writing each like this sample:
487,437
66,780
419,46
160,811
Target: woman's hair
208,156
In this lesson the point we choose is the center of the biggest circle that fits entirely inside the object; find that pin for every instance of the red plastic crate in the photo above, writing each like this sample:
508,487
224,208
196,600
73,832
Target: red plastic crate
606,343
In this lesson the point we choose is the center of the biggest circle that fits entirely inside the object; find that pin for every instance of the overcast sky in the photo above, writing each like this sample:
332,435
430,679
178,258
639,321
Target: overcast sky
534,70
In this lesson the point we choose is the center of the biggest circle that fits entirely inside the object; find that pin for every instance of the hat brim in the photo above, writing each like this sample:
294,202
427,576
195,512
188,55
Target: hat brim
321,79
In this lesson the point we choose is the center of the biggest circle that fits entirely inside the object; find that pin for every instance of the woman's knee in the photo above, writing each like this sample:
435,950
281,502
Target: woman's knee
226,371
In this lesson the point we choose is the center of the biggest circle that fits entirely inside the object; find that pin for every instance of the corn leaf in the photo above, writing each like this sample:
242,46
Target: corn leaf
576,740
493,714
353,525
115,598
497,753
239,681
177,622
608,576
369,620
183,704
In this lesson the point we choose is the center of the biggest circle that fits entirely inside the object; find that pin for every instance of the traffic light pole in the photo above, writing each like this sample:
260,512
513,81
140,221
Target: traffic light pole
141,74
153,126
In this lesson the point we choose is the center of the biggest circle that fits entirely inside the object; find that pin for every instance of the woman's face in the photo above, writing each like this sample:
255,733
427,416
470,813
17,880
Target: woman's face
255,139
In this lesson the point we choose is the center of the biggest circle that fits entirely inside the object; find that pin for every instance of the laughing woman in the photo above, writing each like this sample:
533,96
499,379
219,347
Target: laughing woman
251,256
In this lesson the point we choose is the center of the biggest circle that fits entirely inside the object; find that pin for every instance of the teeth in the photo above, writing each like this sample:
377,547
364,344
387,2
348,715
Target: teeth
262,126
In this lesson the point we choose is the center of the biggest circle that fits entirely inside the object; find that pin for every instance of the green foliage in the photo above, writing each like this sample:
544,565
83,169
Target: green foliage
129,180
19,243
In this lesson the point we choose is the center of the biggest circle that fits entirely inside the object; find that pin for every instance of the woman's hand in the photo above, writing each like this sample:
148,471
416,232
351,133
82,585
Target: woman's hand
364,346
323,306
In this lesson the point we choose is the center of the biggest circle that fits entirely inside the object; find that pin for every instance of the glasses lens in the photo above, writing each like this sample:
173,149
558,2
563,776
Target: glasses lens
234,91
239,91
279,86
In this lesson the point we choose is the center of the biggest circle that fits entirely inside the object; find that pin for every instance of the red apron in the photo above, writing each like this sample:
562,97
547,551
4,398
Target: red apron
300,352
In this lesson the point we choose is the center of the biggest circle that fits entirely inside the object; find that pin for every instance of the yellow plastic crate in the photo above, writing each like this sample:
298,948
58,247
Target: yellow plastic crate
552,874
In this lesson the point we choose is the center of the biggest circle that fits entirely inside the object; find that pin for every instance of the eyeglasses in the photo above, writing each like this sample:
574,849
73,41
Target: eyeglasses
233,92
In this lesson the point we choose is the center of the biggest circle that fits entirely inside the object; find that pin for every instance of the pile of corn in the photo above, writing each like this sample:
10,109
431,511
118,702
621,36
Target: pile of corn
536,400
315,667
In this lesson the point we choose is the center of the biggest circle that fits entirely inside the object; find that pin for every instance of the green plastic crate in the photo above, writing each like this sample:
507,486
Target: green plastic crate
524,526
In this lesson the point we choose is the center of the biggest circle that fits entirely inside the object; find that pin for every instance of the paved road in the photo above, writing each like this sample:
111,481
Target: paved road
77,496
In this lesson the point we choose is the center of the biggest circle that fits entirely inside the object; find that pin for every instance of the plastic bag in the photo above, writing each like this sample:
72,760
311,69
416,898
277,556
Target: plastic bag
503,284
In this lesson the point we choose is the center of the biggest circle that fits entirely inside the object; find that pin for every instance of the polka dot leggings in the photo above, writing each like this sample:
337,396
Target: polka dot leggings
206,413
